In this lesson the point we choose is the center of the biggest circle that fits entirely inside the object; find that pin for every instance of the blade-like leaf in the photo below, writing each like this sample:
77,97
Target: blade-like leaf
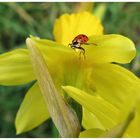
62,115
100,11
118,131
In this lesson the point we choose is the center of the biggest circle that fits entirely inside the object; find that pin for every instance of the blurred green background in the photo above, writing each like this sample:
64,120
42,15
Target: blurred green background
19,20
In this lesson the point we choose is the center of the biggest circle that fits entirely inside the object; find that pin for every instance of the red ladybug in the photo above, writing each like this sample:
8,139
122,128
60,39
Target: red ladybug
78,41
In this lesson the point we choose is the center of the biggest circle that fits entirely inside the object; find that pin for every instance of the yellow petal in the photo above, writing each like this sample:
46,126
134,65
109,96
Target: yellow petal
103,110
70,25
110,48
116,85
91,133
112,82
90,121
32,111
15,68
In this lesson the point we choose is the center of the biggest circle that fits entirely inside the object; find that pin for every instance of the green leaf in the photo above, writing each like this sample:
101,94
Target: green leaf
100,11
133,130
85,6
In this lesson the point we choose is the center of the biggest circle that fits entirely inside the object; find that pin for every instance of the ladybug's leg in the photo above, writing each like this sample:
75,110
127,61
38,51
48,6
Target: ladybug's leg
82,51
90,44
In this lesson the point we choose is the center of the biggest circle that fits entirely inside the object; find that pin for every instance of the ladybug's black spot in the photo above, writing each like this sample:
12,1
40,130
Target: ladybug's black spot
83,35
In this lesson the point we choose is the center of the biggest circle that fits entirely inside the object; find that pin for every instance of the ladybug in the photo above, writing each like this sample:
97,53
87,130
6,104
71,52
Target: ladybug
78,41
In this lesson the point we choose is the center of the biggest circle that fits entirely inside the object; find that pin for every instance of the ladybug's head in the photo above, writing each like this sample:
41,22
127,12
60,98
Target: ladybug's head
75,42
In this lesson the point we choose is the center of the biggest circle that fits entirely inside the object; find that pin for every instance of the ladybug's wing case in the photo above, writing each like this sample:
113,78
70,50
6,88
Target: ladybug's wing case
84,39
81,39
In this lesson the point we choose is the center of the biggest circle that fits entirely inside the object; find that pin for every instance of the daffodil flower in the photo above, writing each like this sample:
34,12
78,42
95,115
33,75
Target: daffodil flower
106,91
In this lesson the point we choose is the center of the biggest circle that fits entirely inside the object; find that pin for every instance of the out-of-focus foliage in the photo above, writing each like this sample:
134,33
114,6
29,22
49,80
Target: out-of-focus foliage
18,20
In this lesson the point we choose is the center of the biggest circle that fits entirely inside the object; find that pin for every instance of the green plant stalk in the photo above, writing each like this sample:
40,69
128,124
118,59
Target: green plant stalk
100,11
84,6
